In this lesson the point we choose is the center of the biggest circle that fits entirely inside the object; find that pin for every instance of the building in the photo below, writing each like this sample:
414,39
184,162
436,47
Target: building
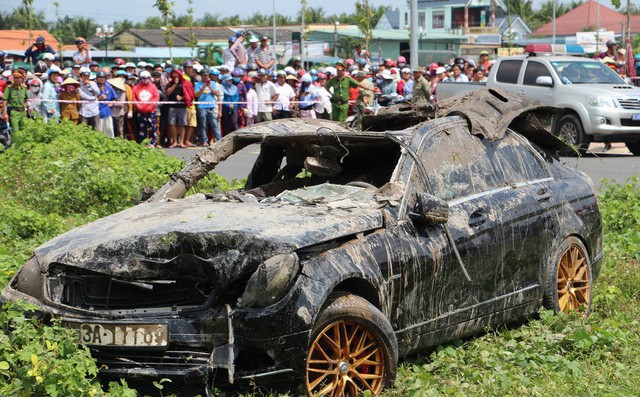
585,18
453,16
16,42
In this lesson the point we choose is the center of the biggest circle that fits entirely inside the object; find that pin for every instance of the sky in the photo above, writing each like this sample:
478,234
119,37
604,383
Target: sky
105,12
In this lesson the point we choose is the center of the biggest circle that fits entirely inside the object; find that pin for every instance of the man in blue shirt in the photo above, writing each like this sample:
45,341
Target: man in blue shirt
208,113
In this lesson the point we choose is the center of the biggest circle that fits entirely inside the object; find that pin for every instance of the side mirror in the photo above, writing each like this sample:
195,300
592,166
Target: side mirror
545,81
430,210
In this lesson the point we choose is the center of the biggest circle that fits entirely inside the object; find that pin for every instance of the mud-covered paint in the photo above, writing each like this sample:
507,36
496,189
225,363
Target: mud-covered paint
508,206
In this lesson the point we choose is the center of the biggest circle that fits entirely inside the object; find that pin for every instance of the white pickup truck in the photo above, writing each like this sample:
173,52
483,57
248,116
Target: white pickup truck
596,105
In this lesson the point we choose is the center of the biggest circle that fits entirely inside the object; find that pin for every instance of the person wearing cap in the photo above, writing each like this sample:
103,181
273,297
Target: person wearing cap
267,94
405,85
251,51
282,105
94,67
323,104
209,95
483,59
340,96
251,111
365,92
361,53
228,57
48,59
34,100
308,97
70,96
82,56
238,50
264,55
229,106
89,92
421,88
611,52
145,98
190,74
32,54
119,108
180,91
106,97
16,96
50,94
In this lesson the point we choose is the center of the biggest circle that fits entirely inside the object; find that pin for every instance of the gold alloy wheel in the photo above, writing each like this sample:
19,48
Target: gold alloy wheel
345,359
574,280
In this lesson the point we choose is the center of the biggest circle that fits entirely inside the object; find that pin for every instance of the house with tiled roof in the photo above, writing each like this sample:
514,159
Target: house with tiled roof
16,42
585,18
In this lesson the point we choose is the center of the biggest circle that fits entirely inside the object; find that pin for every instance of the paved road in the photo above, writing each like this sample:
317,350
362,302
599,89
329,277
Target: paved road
615,164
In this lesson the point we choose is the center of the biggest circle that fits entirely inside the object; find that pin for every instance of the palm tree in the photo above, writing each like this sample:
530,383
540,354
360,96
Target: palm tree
233,20
545,14
7,21
180,20
150,23
21,19
314,15
122,26
258,19
209,19
83,27
522,8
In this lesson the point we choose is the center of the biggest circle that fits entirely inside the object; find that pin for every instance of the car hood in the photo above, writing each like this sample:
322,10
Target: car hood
615,90
154,238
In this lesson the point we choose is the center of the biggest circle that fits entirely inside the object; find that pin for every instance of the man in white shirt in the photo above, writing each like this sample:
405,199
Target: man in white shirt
458,76
228,57
323,106
267,93
281,109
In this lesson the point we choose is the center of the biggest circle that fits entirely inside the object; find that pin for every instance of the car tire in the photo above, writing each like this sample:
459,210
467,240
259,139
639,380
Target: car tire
569,129
634,147
352,349
569,281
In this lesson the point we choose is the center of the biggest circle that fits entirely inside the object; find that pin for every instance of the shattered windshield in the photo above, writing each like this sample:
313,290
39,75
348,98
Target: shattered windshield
594,72
321,169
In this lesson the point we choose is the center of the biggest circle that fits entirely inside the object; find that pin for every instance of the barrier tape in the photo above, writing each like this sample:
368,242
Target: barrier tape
165,102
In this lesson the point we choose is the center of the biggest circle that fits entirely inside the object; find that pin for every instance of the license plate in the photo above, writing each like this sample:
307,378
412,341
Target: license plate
125,335
635,116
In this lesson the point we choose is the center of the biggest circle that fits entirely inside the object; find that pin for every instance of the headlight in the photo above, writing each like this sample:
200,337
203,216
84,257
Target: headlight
29,280
271,281
601,101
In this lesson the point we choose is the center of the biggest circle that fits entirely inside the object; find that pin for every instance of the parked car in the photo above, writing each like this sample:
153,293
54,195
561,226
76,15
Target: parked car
596,104
344,252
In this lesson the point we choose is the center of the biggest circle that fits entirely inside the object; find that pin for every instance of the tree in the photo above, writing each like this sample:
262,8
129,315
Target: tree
545,14
258,19
209,19
7,21
314,15
522,8
150,23
181,21
192,37
83,27
24,18
122,26
166,10
364,16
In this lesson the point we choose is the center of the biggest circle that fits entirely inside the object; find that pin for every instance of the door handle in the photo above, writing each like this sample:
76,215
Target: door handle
478,217
543,195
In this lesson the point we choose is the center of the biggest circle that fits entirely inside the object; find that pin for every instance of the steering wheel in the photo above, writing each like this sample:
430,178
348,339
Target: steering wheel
361,184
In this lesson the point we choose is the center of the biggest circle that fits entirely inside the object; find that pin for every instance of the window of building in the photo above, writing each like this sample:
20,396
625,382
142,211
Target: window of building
437,20
422,21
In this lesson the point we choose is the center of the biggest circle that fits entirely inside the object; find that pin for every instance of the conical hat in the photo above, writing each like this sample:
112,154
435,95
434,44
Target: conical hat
69,81
117,83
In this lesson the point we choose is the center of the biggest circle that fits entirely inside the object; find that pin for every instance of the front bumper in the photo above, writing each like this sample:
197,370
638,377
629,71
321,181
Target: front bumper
608,124
217,346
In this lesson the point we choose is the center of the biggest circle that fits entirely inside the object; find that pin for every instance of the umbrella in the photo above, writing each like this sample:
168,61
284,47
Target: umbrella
631,63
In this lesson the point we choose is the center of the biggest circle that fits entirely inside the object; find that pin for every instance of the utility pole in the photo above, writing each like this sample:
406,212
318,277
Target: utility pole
628,22
413,41
273,39
554,22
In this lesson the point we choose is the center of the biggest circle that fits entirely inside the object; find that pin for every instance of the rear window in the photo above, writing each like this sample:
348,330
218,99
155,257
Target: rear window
533,71
508,72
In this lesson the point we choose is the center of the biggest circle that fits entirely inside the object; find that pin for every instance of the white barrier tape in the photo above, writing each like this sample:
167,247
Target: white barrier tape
163,102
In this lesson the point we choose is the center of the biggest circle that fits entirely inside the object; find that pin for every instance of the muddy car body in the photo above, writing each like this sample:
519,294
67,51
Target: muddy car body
388,243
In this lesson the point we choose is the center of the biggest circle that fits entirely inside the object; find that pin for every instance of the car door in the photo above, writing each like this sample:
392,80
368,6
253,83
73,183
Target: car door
525,226
459,173
533,90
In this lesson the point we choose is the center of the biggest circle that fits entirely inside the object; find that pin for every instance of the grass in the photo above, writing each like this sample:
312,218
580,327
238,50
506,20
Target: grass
58,177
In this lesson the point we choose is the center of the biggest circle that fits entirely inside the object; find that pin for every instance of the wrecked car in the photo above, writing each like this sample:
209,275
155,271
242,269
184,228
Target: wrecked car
344,252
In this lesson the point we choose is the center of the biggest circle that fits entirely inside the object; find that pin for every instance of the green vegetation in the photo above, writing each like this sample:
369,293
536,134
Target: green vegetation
57,177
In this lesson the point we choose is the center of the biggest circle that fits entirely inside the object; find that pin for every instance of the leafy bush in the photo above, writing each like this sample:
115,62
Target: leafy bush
37,360
621,215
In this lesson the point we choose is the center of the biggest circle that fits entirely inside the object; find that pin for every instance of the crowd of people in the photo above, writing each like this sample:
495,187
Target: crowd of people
187,104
